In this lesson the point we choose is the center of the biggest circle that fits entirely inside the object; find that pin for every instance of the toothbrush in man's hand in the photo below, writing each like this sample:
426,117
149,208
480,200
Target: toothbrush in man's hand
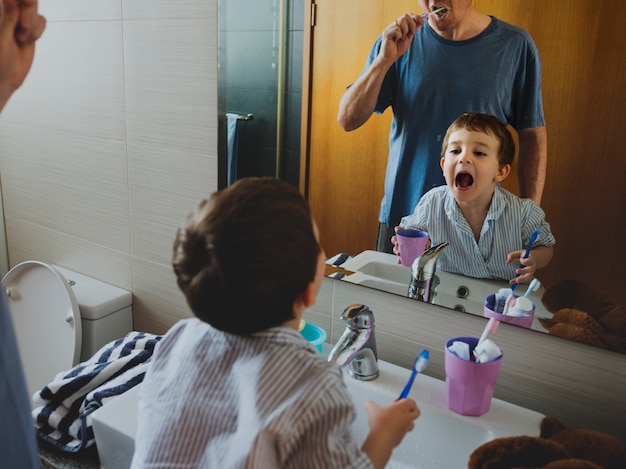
425,16
533,238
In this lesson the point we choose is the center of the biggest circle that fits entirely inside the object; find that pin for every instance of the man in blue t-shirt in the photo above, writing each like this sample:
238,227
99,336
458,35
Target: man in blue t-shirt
431,71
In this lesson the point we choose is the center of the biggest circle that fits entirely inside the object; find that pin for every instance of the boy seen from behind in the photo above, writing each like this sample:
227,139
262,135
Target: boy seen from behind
238,386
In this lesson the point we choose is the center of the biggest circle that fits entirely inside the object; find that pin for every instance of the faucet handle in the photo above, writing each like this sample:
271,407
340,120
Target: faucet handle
358,316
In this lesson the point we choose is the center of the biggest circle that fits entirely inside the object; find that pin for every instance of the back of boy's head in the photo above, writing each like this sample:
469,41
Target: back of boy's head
246,254
486,123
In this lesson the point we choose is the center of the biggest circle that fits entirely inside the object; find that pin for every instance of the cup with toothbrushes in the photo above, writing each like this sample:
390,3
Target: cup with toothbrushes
472,367
507,307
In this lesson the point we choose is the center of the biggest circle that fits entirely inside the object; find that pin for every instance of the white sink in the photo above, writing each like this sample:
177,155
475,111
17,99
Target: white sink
381,271
378,283
378,270
380,265
441,438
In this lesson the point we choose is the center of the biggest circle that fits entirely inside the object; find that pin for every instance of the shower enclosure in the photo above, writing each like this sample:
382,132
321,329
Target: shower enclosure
260,81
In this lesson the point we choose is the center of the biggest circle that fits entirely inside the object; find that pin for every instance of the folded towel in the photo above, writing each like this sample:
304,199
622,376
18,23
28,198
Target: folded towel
64,405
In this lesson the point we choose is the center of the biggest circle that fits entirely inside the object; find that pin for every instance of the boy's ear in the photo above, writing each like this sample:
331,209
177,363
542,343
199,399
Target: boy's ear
441,162
503,172
307,297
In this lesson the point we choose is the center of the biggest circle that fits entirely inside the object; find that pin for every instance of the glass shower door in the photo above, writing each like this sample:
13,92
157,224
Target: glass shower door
259,88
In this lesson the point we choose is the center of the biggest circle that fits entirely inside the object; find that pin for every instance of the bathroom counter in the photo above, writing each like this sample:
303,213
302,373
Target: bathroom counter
115,424
53,458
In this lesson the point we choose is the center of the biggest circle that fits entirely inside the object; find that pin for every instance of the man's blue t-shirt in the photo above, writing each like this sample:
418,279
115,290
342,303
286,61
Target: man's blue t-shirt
497,72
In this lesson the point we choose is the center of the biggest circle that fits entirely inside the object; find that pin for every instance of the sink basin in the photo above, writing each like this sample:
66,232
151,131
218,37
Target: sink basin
378,270
425,446
381,271
465,293
380,265
378,283
441,438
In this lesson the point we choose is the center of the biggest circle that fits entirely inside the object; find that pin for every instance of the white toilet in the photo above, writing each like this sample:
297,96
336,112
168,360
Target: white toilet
62,317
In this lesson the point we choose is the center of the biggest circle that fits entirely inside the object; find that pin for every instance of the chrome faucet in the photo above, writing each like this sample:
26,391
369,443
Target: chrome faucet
423,274
356,347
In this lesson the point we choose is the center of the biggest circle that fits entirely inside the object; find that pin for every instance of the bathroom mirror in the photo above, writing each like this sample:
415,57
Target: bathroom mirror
583,99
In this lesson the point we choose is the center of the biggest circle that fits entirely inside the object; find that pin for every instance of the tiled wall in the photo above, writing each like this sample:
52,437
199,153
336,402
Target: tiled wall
112,141
583,386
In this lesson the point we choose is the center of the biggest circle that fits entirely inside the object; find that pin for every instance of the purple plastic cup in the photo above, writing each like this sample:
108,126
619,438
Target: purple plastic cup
469,385
488,312
411,243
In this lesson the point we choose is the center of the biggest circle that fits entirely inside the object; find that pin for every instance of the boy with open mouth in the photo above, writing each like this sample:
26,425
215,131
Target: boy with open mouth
487,227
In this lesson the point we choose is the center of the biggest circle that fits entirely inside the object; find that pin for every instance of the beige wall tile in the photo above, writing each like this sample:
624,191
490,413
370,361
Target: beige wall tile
67,183
139,9
80,10
170,84
76,83
32,242
158,302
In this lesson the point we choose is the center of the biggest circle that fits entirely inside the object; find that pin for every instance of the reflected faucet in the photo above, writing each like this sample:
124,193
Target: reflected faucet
423,273
356,347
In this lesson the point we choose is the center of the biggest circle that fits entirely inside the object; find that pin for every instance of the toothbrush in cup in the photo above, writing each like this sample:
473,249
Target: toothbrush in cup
491,326
532,287
533,238
421,362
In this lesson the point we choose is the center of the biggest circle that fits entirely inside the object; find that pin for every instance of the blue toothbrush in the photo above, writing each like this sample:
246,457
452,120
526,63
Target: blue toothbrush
533,238
421,362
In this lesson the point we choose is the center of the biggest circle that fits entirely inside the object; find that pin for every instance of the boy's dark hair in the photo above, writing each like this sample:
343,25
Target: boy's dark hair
481,122
246,254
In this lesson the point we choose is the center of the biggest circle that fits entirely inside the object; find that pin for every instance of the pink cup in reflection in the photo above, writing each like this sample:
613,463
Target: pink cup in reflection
524,321
411,243
469,385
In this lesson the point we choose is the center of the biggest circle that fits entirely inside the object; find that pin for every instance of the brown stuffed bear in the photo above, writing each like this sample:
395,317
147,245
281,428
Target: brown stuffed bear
557,447
584,315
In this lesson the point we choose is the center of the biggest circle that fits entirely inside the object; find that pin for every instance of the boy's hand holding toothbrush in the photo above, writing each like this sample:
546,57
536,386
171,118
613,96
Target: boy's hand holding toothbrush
388,425
527,268
527,264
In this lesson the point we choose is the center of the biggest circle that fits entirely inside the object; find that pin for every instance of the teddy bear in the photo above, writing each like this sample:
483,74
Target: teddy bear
557,447
585,315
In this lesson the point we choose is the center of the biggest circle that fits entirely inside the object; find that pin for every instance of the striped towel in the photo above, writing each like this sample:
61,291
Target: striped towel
64,405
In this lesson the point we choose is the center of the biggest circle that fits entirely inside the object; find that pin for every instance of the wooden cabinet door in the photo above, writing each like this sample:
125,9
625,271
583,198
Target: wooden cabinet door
346,170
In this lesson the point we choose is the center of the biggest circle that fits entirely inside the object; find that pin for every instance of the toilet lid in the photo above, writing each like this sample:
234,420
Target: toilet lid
46,319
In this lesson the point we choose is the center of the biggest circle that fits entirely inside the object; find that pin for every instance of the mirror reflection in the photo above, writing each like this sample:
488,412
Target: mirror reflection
260,88
342,173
